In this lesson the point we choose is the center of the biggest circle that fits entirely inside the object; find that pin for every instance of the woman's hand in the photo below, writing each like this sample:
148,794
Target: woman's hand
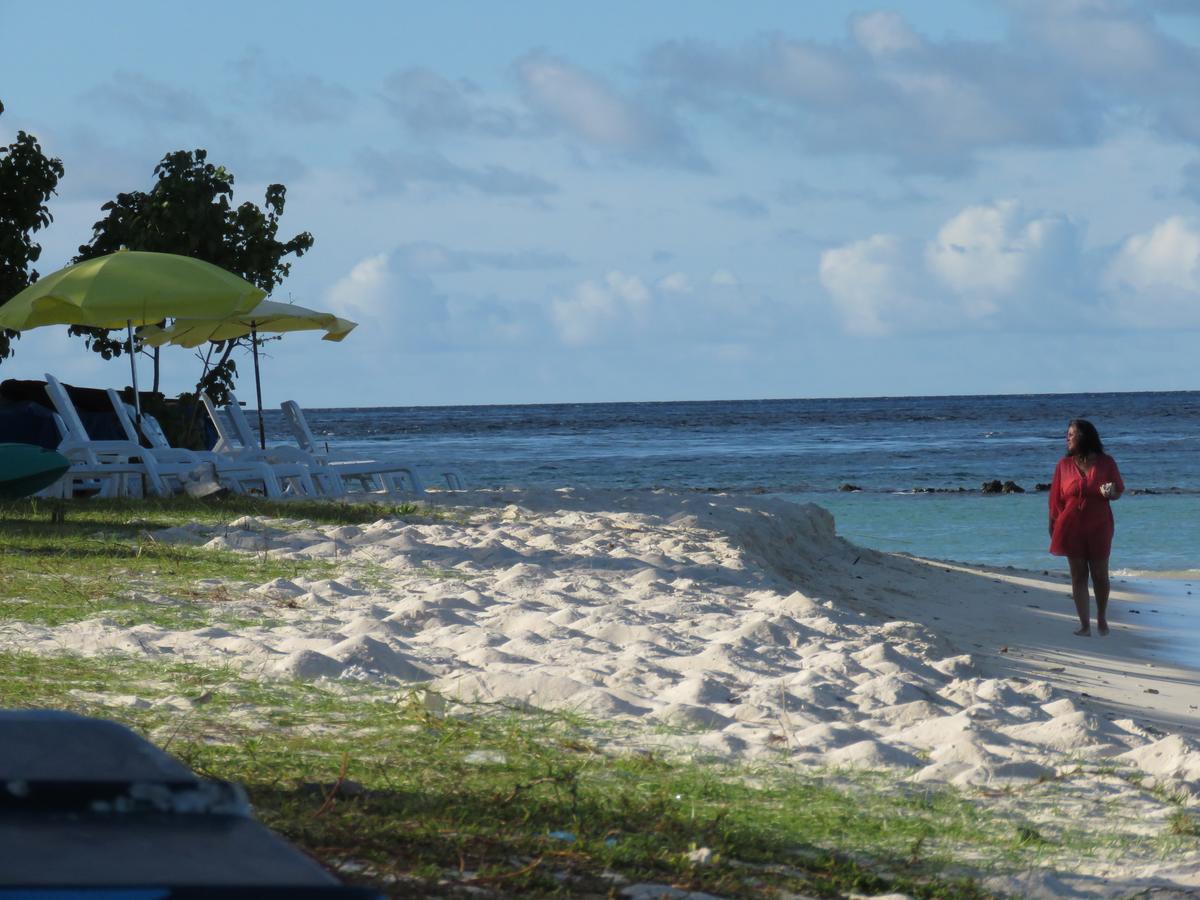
1108,491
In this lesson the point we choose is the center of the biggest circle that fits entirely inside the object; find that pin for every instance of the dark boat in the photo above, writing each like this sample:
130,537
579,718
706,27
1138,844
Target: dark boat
26,468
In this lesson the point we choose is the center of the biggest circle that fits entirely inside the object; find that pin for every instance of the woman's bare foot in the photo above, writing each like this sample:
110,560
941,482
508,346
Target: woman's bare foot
1102,627
1083,632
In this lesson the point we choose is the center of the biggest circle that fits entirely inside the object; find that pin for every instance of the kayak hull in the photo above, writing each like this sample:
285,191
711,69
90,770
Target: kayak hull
26,468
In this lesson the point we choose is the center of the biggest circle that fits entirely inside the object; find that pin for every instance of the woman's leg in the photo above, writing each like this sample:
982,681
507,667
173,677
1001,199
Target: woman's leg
1079,591
1100,584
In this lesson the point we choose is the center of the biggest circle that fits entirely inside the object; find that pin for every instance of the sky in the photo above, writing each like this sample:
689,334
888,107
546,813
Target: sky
550,202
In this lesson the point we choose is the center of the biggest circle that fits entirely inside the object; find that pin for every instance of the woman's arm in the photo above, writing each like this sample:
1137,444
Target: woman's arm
1114,476
1056,503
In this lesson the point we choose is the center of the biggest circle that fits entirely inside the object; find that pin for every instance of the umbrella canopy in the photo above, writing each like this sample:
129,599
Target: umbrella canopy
268,316
129,286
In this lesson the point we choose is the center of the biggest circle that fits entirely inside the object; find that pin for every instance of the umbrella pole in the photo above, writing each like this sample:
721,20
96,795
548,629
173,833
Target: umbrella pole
262,432
137,399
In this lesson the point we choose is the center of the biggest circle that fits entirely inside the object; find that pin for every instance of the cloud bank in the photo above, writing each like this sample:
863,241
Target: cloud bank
1067,73
1001,266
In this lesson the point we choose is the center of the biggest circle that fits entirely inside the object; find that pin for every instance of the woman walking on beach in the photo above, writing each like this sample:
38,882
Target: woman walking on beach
1081,520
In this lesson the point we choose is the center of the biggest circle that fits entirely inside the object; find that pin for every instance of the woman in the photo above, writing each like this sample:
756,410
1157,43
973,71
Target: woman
1081,521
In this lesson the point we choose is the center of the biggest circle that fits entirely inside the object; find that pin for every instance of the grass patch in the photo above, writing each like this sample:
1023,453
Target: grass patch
163,512
407,792
387,789
63,561
76,574
1183,824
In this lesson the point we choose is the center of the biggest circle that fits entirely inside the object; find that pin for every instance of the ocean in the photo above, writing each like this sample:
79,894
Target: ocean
917,463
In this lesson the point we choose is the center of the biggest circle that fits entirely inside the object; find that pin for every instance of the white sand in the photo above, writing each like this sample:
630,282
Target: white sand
745,622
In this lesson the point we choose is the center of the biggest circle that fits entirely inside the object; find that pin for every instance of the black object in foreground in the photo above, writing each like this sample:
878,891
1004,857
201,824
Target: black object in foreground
90,810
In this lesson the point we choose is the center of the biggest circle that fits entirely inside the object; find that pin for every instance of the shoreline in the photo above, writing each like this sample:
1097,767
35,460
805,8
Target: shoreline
1168,601
1141,669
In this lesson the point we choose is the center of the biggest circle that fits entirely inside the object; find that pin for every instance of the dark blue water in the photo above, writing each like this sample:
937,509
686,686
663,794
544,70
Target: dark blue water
808,448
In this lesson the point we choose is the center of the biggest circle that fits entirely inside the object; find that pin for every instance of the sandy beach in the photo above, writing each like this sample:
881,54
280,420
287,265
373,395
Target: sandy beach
739,628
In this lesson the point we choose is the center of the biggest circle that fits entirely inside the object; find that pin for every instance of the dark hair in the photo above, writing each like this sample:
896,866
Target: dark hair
1089,437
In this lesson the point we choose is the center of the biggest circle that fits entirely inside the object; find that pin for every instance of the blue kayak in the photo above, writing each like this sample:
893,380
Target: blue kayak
26,468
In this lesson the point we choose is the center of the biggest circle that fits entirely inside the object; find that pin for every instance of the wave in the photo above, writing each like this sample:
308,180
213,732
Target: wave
1159,574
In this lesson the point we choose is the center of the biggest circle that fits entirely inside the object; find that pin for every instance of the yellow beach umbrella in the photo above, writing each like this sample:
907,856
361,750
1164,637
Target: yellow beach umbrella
269,316
127,288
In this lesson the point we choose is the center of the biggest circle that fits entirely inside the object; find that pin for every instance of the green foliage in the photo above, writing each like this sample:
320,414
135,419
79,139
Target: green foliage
27,180
218,379
190,211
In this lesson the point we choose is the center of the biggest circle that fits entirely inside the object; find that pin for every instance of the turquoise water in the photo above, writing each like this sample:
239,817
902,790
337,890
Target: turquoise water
1155,533
807,448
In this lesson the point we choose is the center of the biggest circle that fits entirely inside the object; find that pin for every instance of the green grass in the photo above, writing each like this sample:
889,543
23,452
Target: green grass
102,562
162,512
1183,824
403,790
66,561
382,784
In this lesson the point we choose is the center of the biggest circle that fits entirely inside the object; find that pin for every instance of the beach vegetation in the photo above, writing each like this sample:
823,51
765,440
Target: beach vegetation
392,789
406,790
1183,824
64,561
189,211
28,178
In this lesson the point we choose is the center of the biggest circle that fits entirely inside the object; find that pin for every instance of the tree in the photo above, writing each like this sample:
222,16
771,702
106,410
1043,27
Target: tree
27,180
190,211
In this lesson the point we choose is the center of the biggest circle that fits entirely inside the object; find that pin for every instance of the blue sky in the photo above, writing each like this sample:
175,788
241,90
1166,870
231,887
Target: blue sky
553,202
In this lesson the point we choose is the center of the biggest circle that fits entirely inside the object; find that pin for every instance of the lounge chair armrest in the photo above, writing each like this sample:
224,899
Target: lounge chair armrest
176,456
291,455
91,452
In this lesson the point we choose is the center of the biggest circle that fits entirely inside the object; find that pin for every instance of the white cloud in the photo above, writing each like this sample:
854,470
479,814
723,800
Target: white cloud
675,283
723,278
884,33
595,308
871,286
1067,73
581,102
1154,276
398,303
362,293
987,254
1001,266
1166,258
590,109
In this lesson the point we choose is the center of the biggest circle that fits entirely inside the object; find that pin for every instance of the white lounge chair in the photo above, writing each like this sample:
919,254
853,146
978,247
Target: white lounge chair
240,476
90,476
113,461
235,437
374,474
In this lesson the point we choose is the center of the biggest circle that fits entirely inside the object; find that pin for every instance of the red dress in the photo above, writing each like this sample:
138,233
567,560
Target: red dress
1081,520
